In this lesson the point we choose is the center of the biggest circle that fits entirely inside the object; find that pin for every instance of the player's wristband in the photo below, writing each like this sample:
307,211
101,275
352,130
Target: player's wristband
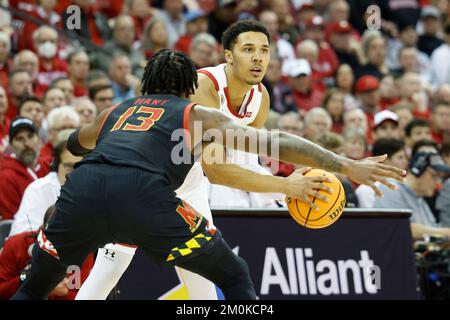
74,146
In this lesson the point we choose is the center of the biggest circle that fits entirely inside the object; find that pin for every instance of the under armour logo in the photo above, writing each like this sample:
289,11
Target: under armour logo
112,253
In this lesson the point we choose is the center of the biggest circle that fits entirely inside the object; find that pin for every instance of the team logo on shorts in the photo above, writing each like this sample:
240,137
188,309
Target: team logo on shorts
190,216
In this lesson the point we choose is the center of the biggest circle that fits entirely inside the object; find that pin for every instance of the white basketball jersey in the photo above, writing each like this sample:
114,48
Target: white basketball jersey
195,186
250,105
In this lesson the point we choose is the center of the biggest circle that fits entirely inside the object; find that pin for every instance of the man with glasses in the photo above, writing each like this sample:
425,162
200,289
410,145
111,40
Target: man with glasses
102,96
42,193
51,66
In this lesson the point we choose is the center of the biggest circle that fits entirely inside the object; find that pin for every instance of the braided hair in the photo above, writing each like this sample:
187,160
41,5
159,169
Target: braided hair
169,72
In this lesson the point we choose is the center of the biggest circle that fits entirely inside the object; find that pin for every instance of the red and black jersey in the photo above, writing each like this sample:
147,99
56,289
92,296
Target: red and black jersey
142,132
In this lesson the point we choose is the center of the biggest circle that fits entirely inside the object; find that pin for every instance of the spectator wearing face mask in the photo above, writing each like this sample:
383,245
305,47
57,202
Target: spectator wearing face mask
19,87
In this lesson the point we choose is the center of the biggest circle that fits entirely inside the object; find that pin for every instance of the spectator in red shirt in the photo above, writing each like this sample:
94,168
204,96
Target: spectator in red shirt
347,49
338,10
288,122
327,62
440,122
196,23
78,71
284,49
22,167
22,5
110,8
27,60
31,107
368,93
15,262
388,92
4,122
66,87
50,66
309,50
44,13
141,12
307,94
19,86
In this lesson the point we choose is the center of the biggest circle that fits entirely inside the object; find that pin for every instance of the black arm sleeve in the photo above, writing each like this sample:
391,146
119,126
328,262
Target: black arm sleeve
74,146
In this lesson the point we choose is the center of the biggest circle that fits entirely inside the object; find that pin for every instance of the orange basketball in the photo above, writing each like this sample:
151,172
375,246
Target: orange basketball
328,213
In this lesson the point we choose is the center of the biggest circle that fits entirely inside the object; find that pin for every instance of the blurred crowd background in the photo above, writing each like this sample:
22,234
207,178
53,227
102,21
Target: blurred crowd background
357,81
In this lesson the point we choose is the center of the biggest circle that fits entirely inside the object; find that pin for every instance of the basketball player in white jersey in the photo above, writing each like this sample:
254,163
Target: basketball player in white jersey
235,88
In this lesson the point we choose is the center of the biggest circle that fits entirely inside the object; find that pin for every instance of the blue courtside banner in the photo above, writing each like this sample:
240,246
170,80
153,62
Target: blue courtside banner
365,255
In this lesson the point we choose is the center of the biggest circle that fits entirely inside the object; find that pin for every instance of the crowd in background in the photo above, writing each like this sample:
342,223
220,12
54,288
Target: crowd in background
353,81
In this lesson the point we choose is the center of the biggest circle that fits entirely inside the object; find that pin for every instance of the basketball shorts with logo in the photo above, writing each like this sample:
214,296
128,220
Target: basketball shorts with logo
102,204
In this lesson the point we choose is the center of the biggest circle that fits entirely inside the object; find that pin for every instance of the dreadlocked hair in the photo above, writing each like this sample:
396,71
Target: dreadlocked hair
169,72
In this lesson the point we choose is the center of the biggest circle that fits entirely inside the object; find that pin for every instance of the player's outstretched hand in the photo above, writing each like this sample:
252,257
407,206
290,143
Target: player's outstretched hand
300,187
369,170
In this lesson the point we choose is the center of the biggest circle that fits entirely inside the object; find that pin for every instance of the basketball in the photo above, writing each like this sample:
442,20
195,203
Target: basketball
328,213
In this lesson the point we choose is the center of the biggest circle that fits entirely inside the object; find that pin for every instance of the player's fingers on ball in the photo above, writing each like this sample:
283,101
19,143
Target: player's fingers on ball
322,197
323,187
310,192
310,203
321,179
